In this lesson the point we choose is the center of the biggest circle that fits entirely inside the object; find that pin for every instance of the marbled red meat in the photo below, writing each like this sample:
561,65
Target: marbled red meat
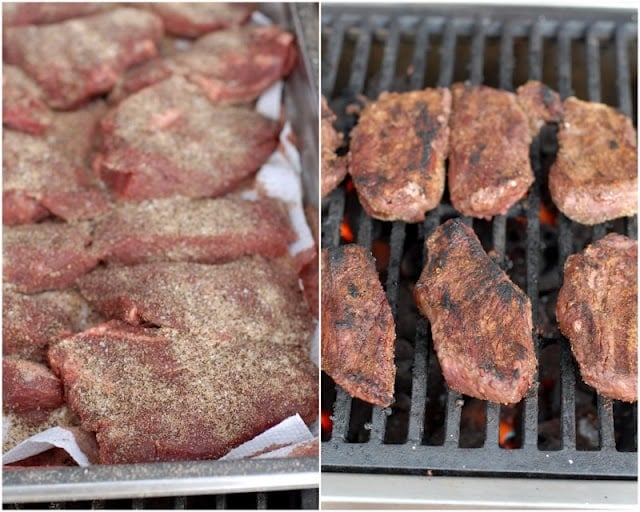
29,389
42,13
46,256
252,298
40,181
23,108
230,66
199,230
104,46
169,139
164,395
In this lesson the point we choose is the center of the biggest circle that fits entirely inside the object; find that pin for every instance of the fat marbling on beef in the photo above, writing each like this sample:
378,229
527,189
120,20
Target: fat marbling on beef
480,321
597,310
169,139
358,330
397,153
104,46
595,175
168,395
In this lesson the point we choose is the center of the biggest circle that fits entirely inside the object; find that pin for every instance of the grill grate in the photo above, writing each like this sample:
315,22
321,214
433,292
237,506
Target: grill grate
367,52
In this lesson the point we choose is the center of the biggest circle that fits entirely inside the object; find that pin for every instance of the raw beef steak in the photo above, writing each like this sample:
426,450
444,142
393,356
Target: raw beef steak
104,45
169,139
200,230
397,153
40,181
23,108
165,395
46,256
358,331
30,390
597,310
251,298
480,321
595,175
42,13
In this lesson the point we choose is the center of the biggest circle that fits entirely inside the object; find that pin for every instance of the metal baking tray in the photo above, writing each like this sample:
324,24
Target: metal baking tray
207,477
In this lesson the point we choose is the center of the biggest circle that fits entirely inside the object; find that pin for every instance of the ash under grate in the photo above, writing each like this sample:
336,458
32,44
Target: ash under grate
562,427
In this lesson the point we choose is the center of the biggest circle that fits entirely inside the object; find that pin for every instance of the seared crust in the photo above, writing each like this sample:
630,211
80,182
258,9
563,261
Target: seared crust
199,230
397,153
334,168
104,45
541,104
169,139
595,175
489,168
250,298
358,330
597,311
480,321
166,395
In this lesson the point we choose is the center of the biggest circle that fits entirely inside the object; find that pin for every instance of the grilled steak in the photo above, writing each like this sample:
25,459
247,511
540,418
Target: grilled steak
40,181
23,108
597,310
541,104
595,175
42,13
46,256
358,331
480,321
334,167
29,390
251,298
194,19
397,153
200,230
230,66
489,169
163,395
168,139
104,45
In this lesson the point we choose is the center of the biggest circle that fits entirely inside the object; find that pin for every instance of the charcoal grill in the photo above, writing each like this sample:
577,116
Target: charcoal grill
288,483
587,53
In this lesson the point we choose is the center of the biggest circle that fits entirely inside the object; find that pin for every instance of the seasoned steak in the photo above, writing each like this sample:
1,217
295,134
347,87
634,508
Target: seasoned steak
249,298
595,175
165,395
39,181
358,330
541,104
31,322
397,153
230,66
200,230
169,139
186,19
489,168
29,390
104,45
334,167
41,13
597,311
46,256
23,108
480,321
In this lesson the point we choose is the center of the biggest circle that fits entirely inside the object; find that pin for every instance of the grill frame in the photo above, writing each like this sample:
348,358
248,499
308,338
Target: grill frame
364,27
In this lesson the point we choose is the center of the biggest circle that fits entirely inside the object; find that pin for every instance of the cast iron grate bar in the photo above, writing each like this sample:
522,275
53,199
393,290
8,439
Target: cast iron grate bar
331,56
440,34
